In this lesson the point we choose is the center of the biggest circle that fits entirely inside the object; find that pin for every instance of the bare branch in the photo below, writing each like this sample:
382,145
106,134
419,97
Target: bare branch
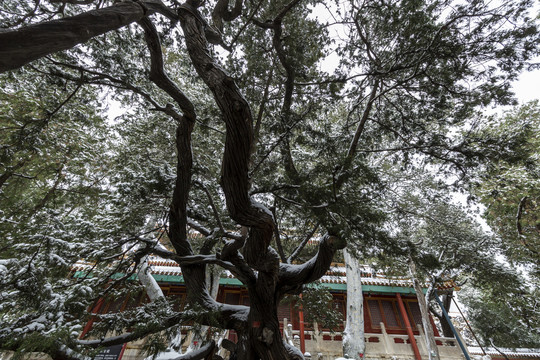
212,205
260,114
361,124
115,83
278,238
176,319
302,244
286,9
247,22
49,115
195,225
11,172
520,229
186,261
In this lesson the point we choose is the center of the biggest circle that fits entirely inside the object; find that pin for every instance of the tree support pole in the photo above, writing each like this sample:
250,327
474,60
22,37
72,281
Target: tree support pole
468,325
408,327
461,345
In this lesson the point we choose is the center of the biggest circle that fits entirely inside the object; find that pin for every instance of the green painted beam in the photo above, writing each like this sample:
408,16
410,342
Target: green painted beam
230,281
335,287
372,288
388,289
179,279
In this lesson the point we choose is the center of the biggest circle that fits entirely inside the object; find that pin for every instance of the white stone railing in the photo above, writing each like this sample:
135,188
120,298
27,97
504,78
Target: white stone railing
392,345
383,345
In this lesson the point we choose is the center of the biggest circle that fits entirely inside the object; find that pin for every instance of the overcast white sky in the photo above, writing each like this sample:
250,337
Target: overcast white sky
528,86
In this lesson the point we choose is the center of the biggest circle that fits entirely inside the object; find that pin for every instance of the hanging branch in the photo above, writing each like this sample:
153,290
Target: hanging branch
212,206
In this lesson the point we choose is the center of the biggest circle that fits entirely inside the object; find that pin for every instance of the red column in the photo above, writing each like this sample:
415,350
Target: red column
90,322
408,327
302,337
434,327
122,352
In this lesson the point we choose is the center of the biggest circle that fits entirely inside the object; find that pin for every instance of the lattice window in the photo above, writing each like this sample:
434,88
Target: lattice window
416,314
284,311
232,298
389,313
375,313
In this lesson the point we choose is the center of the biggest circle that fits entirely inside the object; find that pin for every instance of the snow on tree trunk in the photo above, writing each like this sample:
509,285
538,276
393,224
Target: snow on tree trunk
431,345
213,275
353,337
147,280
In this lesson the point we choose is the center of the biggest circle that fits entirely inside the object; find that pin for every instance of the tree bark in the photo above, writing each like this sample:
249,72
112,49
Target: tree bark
21,46
150,284
261,337
353,337
433,351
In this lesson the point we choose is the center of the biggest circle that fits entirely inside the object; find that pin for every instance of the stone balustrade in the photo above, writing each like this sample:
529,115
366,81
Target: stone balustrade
326,345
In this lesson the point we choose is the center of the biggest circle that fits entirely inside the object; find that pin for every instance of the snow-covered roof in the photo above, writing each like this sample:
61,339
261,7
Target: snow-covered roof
519,352
335,275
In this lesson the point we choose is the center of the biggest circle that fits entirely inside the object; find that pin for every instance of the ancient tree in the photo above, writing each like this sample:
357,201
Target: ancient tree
303,153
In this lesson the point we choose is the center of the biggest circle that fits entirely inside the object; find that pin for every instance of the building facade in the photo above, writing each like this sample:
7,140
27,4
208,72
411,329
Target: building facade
390,306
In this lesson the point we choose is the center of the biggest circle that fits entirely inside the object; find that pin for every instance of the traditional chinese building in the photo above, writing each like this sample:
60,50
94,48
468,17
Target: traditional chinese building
390,307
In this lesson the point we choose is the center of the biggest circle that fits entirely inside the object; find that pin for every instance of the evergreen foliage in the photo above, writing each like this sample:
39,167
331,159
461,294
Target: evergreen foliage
233,140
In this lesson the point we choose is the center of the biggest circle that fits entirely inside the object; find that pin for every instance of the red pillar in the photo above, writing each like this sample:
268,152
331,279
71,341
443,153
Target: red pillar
90,322
434,327
302,337
408,327
122,352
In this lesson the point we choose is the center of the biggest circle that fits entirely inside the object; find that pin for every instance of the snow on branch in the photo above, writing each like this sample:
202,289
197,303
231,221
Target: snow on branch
196,260
200,228
176,319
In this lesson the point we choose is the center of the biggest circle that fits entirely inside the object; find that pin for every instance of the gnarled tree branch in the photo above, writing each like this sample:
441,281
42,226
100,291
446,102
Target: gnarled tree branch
157,72
292,277
21,46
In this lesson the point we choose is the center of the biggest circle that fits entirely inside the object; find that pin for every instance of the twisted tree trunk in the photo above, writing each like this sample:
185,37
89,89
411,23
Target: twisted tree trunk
259,267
